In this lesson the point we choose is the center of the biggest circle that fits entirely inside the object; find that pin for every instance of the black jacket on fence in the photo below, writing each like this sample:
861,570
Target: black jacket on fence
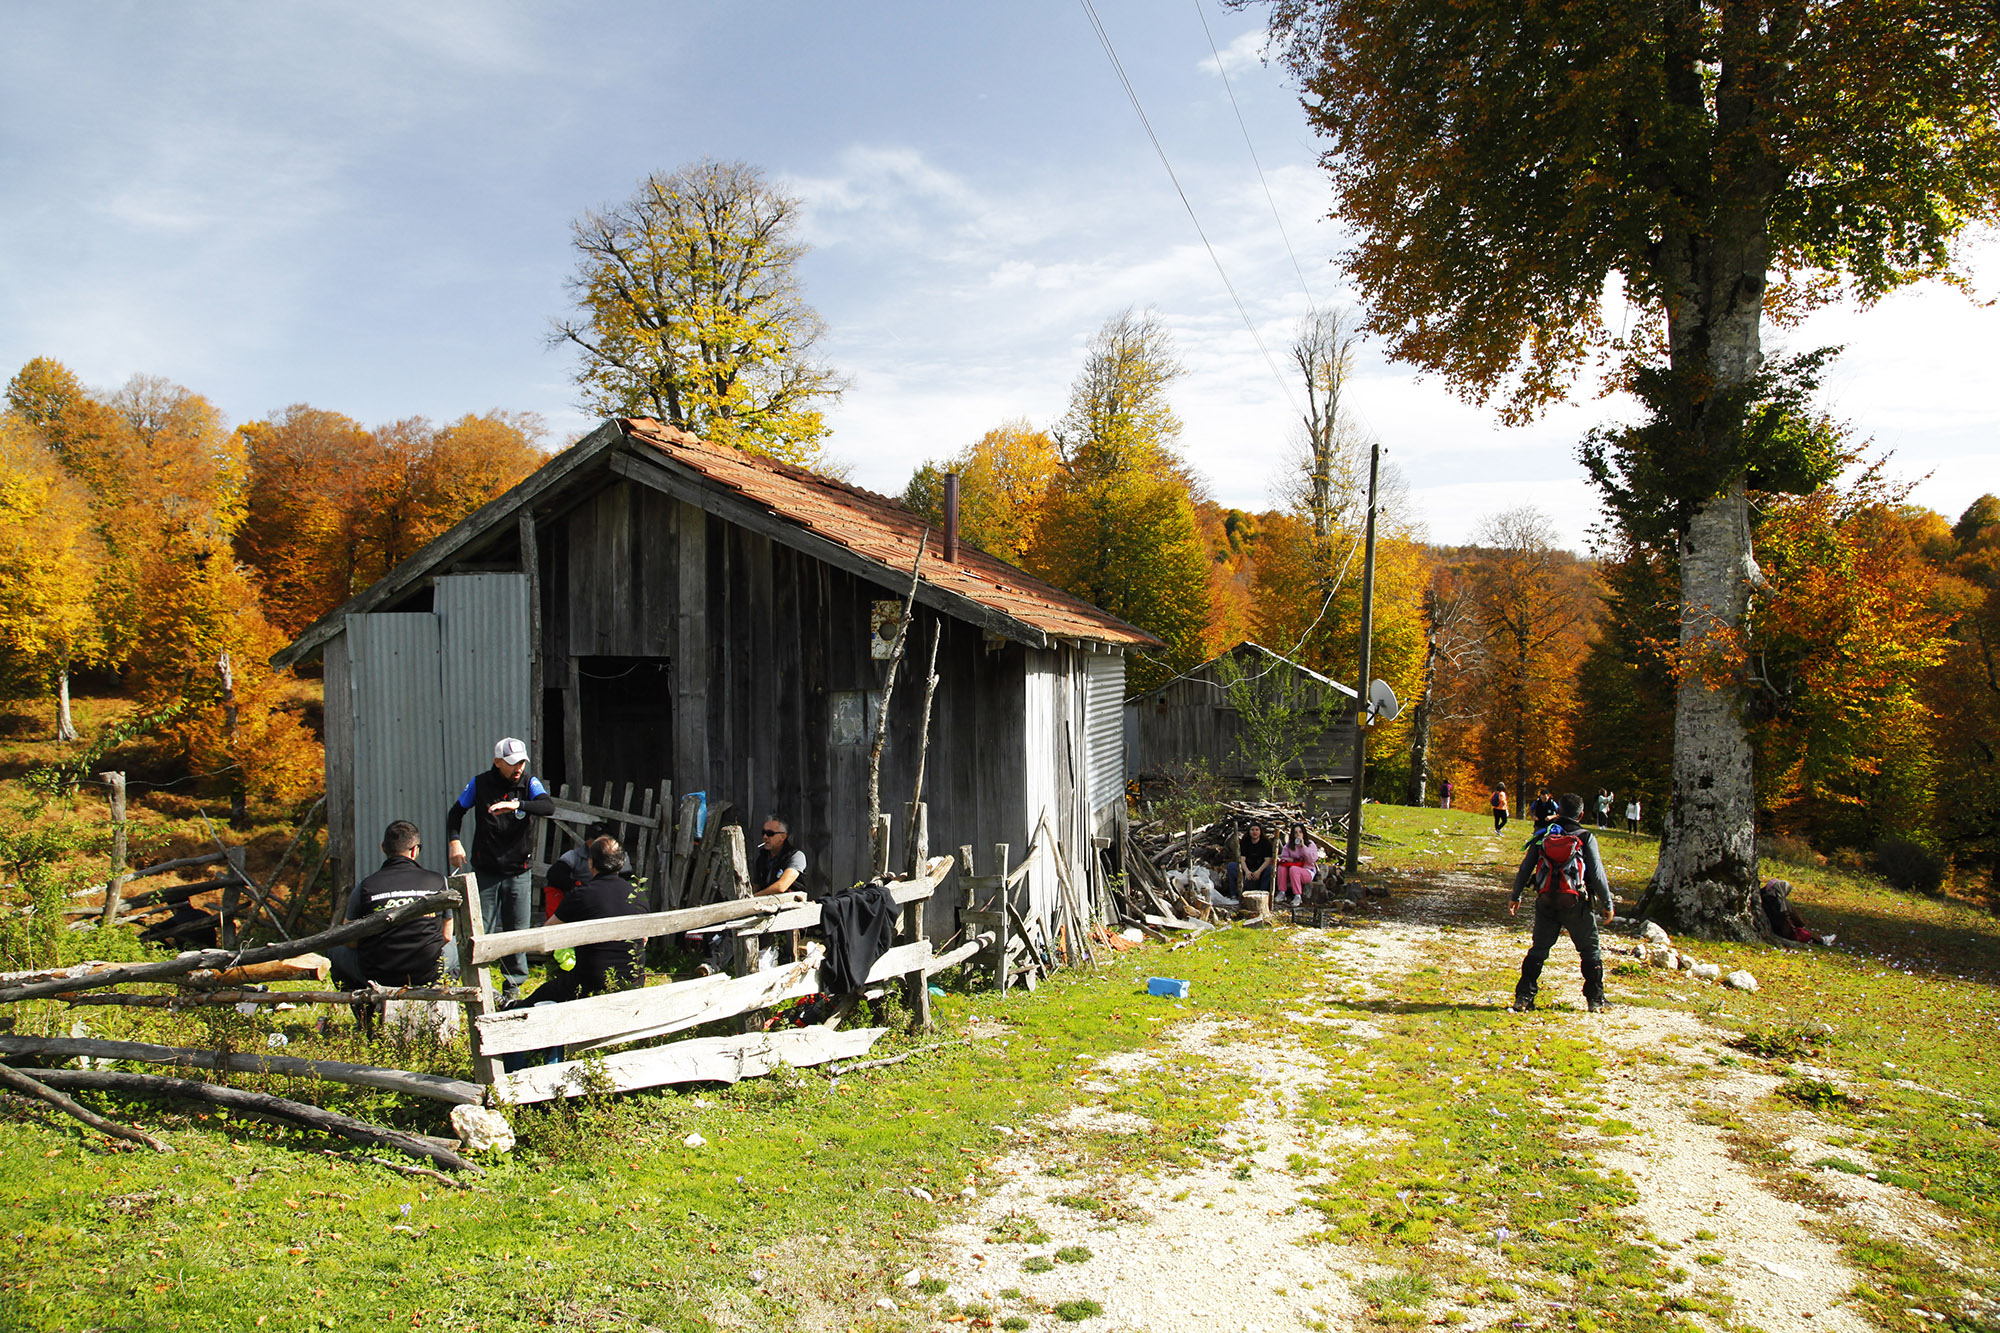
860,924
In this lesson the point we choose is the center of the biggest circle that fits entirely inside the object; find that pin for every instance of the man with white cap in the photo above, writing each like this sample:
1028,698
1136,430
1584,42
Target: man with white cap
501,799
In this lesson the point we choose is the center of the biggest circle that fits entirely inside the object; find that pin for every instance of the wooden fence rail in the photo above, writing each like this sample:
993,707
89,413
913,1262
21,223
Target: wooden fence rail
595,1023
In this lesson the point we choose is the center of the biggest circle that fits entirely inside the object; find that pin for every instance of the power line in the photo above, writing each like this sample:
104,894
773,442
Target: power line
1229,88
1132,94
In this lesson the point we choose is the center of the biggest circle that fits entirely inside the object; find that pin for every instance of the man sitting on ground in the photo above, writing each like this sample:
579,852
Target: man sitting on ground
403,955
597,968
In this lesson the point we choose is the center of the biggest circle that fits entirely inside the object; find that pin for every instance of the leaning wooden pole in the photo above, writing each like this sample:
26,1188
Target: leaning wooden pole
882,713
206,959
910,836
257,1103
16,1081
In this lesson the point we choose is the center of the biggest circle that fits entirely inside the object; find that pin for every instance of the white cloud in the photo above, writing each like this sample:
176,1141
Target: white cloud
1244,52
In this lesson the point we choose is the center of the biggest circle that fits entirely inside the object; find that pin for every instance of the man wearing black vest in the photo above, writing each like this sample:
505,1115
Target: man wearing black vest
1568,874
404,955
501,799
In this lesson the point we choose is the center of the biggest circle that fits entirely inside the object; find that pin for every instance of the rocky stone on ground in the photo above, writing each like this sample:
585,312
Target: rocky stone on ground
1741,980
482,1129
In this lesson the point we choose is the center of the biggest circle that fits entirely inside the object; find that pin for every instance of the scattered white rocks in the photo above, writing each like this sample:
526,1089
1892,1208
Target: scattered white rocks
482,1129
694,1141
1741,980
1707,971
1655,935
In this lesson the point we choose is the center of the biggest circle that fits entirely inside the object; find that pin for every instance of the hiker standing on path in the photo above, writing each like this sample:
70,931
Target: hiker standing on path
1632,815
1568,874
501,799
1499,804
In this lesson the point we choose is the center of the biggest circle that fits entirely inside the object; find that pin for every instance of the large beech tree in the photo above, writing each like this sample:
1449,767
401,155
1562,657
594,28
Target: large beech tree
1500,162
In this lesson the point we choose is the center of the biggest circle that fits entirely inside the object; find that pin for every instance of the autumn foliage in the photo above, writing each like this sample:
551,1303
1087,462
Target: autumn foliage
140,535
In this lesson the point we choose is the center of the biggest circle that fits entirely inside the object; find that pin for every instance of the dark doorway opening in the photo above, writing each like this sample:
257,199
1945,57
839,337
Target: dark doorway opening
626,711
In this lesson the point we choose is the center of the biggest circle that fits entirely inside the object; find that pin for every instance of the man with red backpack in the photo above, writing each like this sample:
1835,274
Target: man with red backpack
1568,877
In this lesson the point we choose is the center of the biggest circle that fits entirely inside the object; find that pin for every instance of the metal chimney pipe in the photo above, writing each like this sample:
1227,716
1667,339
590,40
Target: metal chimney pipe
951,518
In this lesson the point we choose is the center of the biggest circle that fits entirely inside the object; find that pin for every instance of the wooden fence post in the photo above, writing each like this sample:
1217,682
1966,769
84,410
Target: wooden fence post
231,891
114,883
465,927
883,857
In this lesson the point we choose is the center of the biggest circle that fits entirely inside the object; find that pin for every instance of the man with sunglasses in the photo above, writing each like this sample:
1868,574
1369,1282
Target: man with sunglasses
779,861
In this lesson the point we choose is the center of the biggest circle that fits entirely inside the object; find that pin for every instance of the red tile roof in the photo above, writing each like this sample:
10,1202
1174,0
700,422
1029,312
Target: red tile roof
883,531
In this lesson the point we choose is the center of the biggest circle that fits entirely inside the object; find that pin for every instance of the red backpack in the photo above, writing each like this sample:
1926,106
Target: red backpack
1559,869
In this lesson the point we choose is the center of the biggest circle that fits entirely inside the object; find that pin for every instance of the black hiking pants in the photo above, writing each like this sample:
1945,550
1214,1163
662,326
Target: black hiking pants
1555,913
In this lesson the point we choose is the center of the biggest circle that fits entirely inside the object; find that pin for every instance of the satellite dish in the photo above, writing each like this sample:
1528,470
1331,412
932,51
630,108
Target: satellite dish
1382,701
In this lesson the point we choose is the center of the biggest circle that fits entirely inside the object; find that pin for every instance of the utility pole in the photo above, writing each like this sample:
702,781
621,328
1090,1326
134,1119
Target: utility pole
1361,690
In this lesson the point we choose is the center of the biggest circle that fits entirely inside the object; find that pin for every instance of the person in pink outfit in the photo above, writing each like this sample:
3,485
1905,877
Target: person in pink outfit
1298,862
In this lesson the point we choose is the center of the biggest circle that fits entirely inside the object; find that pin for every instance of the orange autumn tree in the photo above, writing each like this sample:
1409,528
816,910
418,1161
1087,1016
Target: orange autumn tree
333,506
202,638
310,472
1002,479
51,561
1841,640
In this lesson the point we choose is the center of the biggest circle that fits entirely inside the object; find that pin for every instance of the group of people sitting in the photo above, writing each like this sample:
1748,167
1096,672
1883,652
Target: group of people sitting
1256,862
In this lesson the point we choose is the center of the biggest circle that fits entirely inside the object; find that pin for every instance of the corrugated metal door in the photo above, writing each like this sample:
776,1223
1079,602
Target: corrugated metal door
483,660
1104,729
399,770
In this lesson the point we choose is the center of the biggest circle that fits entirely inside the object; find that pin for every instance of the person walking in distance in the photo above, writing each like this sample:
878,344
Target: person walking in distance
1571,892
1444,794
1632,815
1499,804
501,799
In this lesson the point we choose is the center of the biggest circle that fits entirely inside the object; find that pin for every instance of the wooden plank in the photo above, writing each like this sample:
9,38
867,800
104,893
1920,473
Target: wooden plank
570,935
704,1060
583,812
983,940
652,1011
681,856
803,917
434,1086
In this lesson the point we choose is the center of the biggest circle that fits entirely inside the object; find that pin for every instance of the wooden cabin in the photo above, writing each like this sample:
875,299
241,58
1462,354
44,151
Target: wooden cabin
649,608
1194,718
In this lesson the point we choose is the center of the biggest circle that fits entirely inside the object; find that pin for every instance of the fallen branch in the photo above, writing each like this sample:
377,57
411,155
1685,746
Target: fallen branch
839,1071
259,1104
13,1078
214,959
435,1086
409,1170
451,994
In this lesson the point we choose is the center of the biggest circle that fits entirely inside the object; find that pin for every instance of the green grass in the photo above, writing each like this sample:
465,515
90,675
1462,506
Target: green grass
603,1219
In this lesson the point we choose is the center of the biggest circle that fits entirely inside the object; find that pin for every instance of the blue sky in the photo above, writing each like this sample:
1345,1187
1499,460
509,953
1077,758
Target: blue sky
365,207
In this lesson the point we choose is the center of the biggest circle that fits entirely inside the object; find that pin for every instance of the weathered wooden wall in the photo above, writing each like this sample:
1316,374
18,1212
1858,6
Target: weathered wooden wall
761,642
1190,718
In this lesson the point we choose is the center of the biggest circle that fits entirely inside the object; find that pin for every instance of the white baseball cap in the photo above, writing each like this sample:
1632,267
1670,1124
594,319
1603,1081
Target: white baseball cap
510,750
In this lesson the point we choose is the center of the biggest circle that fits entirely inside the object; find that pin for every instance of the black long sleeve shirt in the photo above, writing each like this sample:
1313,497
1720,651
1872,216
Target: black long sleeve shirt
500,842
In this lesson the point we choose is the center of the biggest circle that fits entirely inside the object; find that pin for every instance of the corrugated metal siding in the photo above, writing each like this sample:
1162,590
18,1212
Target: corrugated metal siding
484,661
1039,762
1104,729
399,770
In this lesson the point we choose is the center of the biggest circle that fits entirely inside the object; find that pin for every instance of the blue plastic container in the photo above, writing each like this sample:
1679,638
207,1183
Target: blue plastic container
1168,987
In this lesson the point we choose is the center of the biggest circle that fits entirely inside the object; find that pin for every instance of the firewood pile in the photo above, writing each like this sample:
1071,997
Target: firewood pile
1159,895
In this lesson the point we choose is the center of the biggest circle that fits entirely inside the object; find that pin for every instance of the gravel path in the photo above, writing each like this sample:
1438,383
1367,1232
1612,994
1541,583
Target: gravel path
1220,1245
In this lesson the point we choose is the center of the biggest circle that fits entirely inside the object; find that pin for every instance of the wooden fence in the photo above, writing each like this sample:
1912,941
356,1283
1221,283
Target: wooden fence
590,1027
